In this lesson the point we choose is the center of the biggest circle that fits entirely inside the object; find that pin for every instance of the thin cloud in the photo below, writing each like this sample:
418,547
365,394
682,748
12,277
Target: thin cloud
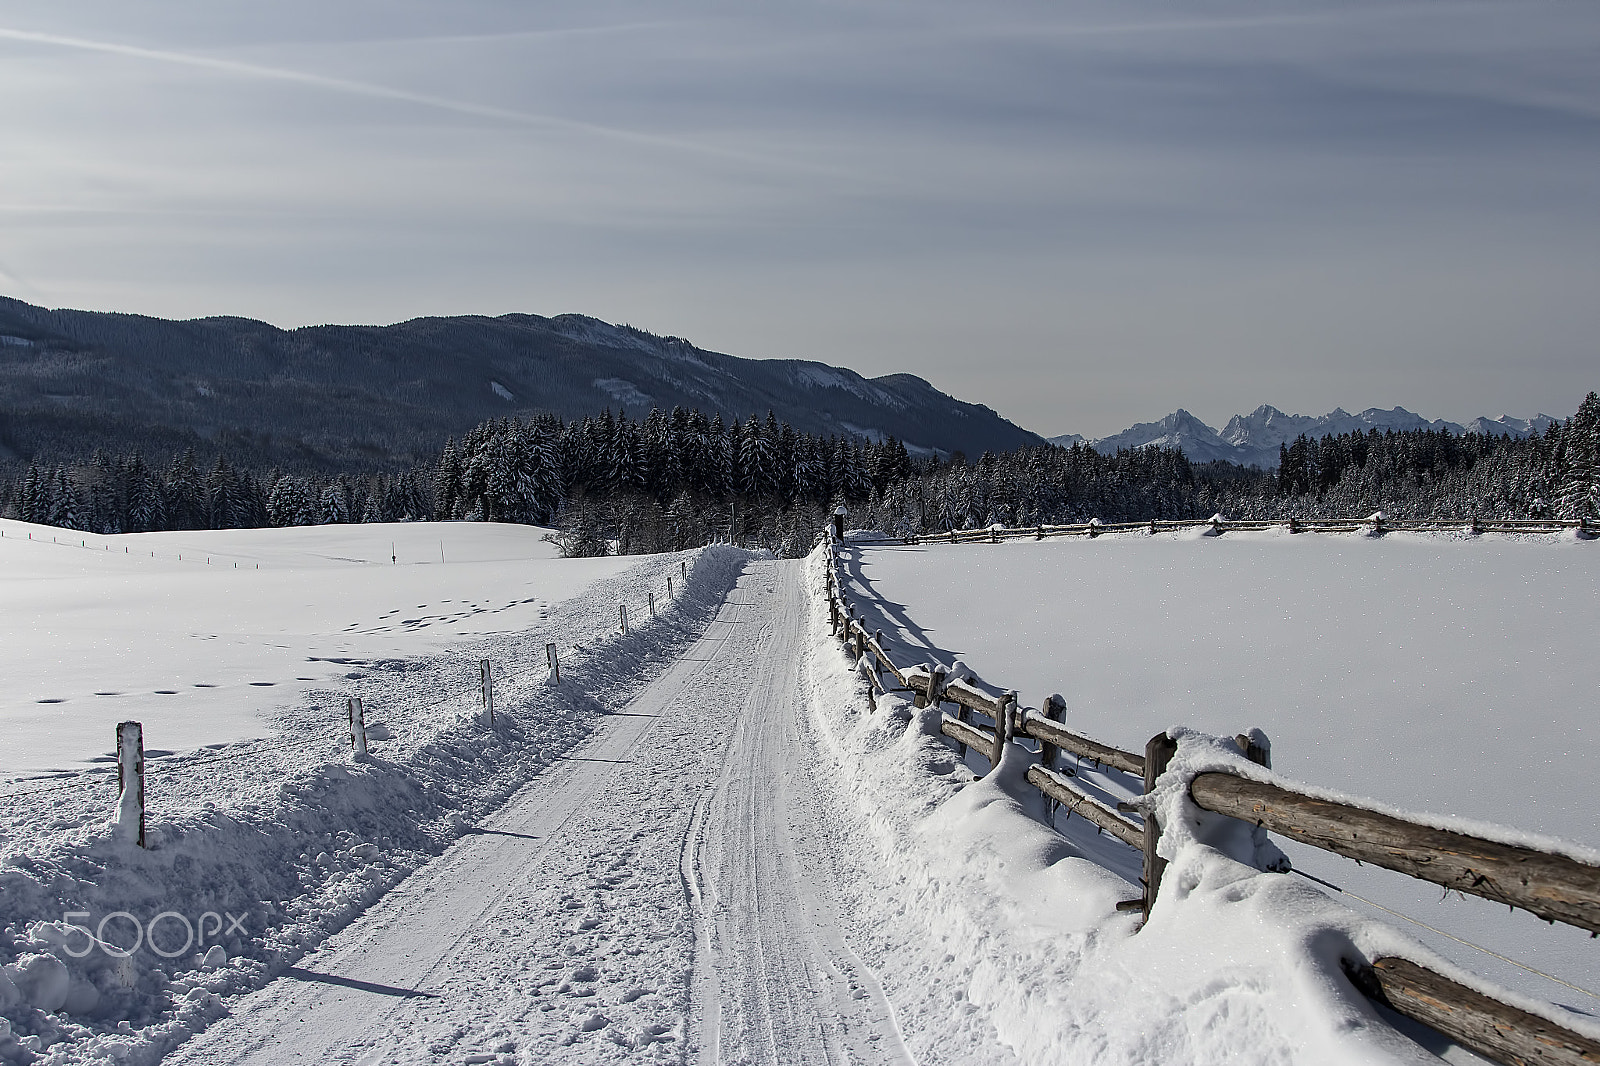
370,90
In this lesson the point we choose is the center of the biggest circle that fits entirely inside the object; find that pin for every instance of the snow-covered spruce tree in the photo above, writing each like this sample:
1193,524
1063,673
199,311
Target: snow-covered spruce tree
1578,472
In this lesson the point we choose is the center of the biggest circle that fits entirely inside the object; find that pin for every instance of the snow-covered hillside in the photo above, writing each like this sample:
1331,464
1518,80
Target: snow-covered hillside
1435,673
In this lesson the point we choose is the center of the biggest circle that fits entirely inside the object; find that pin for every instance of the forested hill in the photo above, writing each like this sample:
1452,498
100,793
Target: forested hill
344,398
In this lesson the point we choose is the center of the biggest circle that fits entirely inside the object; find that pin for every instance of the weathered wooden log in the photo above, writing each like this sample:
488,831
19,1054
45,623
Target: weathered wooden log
1042,729
959,691
970,736
1157,754
1477,1022
1554,887
1058,789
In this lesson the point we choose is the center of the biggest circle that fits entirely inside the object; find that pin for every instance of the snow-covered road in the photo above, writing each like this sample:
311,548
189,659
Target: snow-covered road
662,892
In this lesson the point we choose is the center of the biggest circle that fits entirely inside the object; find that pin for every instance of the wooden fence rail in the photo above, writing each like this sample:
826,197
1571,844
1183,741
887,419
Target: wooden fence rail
1375,523
1553,886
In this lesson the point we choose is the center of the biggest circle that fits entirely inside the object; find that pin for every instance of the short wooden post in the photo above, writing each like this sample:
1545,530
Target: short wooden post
486,675
669,586
1256,747
1215,521
1152,527
1476,529
358,726
877,666
861,641
622,609
833,613
1294,525
130,782
1157,755
652,596
1094,527
1055,709
554,661
1038,533
1005,726
683,568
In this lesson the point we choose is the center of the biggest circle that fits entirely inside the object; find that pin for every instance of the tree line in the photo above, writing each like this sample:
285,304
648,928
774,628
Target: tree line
678,479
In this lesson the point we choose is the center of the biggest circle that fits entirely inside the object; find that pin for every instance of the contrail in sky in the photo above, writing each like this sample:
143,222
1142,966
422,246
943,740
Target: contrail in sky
238,68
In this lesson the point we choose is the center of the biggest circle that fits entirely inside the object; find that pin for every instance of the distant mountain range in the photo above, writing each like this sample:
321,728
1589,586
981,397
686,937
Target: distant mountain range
1253,439
353,397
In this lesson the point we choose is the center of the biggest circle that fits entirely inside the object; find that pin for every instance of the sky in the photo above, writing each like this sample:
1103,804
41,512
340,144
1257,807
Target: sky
1084,215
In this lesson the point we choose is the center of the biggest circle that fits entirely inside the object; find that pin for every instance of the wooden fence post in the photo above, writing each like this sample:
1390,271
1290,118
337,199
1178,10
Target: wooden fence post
358,726
1294,525
652,596
554,660
486,675
1256,747
130,782
1157,755
1055,709
877,667
1005,726
622,609
683,568
669,586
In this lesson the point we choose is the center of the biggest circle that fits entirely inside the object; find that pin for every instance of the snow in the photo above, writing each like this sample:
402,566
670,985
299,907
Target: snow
501,391
183,632
622,390
703,846
1441,673
267,847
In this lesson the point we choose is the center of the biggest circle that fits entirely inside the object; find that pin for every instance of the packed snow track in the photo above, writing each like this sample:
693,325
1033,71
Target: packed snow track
664,893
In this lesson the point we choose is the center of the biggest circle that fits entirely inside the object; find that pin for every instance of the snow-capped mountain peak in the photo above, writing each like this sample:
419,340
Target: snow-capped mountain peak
1254,439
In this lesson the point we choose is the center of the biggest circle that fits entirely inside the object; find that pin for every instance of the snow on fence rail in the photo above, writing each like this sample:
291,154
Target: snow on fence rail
1377,523
1554,886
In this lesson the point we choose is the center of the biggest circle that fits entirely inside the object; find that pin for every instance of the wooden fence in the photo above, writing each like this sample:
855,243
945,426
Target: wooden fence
1378,523
1551,885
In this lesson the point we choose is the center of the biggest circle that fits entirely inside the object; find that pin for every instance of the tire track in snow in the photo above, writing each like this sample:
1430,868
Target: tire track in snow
777,983
660,895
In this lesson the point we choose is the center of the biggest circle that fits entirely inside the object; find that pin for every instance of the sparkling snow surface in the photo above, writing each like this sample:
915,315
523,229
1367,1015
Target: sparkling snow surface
205,648
1439,673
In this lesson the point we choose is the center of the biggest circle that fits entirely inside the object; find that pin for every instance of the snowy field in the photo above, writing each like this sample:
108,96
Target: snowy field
257,810
1434,673
206,637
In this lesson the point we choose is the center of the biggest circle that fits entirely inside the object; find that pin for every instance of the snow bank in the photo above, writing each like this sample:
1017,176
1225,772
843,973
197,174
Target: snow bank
992,931
260,851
